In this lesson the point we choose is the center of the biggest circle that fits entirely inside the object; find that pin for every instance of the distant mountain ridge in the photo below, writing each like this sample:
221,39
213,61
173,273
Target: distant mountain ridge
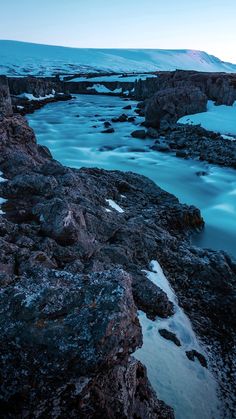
22,58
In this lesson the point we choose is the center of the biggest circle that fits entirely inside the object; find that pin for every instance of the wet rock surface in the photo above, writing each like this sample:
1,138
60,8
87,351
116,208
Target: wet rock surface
166,334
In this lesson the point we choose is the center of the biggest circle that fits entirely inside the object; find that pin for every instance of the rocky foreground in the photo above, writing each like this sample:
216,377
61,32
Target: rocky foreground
71,283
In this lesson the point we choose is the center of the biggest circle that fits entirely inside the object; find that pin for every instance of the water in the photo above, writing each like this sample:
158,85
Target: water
185,385
73,141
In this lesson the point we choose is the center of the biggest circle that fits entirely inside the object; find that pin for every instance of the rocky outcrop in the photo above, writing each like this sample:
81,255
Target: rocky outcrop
219,87
189,141
37,86
168,105
67,313
71,279
5,98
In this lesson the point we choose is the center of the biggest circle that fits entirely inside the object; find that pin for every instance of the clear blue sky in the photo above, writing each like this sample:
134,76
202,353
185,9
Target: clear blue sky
208,25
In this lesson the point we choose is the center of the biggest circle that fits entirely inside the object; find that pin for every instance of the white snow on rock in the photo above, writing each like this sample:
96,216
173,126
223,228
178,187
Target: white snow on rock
99,88
22,58
183,384
220,119
114,205
115,78
30,96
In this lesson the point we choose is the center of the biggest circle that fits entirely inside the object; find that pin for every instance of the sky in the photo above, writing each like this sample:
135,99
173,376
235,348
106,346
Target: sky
207,25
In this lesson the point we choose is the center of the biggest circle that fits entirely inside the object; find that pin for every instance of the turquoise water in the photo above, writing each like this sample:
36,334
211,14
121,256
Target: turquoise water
75,142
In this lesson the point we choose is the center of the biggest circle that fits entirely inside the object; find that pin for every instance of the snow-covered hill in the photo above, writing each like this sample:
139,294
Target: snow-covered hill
21,58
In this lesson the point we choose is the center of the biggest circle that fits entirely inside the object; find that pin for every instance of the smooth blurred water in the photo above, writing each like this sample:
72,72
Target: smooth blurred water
75,142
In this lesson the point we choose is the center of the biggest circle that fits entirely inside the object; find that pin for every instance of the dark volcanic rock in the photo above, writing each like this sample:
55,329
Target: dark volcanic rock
219,87
107,124
5,98
171,104
108,131
140,133
169,336
151,299
195,354
127,107
160,147
131,119
121,118
196,142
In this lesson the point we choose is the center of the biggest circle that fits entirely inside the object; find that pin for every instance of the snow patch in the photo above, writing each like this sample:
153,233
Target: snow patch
30,96
114,205
114,78
220,119
99,88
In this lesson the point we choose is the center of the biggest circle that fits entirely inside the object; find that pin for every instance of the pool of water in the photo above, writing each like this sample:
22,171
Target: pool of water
72,131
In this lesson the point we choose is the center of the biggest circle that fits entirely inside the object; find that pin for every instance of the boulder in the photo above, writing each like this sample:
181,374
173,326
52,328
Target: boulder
140,133
172,103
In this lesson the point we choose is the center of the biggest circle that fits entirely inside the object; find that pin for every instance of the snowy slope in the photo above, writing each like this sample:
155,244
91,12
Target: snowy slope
21,58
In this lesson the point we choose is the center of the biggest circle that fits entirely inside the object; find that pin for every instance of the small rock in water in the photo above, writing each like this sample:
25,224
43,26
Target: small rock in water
195,354
121,118
160,147
131,119
108,131
166,334
152,132
201,173
107,124
140,133
127,107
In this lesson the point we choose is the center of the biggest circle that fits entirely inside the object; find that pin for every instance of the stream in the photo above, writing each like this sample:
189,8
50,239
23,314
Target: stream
67,129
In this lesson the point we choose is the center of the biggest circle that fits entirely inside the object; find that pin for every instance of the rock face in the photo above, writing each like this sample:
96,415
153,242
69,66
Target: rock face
71,279
5,98
170,104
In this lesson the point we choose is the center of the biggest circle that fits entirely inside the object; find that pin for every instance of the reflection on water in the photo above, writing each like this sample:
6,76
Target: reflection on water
72,131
